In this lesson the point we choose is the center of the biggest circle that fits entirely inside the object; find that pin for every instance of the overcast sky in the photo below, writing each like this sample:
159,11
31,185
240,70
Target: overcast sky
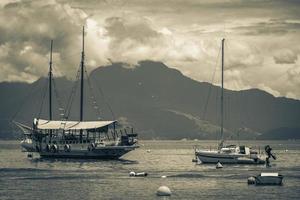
262,38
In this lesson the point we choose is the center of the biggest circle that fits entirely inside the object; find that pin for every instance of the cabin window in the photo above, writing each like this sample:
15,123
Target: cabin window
242,150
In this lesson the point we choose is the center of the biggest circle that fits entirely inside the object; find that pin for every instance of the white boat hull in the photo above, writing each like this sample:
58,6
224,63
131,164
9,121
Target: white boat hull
214,157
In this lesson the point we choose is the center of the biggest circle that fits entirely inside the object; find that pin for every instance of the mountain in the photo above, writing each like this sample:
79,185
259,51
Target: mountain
158,101
282,133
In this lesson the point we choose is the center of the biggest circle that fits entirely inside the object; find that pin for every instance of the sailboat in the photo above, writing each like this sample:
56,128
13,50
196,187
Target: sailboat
76,139
228,154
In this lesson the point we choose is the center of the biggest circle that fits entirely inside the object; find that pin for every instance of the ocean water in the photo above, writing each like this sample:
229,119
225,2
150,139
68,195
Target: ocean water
35,178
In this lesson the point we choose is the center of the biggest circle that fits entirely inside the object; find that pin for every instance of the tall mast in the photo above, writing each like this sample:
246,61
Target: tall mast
222,95
50,82
82,73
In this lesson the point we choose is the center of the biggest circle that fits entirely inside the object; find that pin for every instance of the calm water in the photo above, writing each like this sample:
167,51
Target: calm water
23,178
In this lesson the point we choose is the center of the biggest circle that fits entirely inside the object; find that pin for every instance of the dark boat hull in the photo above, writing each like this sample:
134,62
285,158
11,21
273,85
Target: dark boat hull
99,153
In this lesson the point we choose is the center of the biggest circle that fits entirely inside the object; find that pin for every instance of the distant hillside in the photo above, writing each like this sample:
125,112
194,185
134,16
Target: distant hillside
159,102
282,133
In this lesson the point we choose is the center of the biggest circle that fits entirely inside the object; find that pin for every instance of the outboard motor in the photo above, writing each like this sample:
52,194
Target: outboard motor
268,150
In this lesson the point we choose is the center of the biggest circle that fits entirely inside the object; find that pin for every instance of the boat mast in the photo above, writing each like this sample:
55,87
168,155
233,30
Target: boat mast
50,82
222,96
81,81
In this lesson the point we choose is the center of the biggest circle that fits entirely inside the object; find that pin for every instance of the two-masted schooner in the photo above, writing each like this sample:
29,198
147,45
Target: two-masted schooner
76,139
228,154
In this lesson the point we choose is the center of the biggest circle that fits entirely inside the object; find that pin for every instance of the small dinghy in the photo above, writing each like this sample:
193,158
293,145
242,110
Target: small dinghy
266,179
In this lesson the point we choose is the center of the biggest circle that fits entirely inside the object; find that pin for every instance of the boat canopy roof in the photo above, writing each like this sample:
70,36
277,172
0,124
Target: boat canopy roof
70,125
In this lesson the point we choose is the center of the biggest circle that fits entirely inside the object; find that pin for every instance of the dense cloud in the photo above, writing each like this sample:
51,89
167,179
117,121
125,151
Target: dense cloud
26,29
270,27
285,56
262,39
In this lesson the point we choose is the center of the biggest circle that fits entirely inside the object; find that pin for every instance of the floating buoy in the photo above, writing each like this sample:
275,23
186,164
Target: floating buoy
194,160
199,162
163,176
163,191
141,174
132,174
251,180
219,165
138,174
148,151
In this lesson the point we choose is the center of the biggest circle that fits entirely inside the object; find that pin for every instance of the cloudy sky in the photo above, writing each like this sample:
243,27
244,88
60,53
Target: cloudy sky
262,38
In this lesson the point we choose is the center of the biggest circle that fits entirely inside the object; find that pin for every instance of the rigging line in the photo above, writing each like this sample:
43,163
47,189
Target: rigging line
227,100
239,112
92,91
70,99
210,87
243,117
105,100
73,92
227,109
246,116
24,100
57,95
217,113
68,106
43,99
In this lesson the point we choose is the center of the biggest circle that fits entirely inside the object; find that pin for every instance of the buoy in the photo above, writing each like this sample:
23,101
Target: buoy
199,162
163,176
141,174
148,151
194,160
138,174
251,180
219,165
132,174
163,191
